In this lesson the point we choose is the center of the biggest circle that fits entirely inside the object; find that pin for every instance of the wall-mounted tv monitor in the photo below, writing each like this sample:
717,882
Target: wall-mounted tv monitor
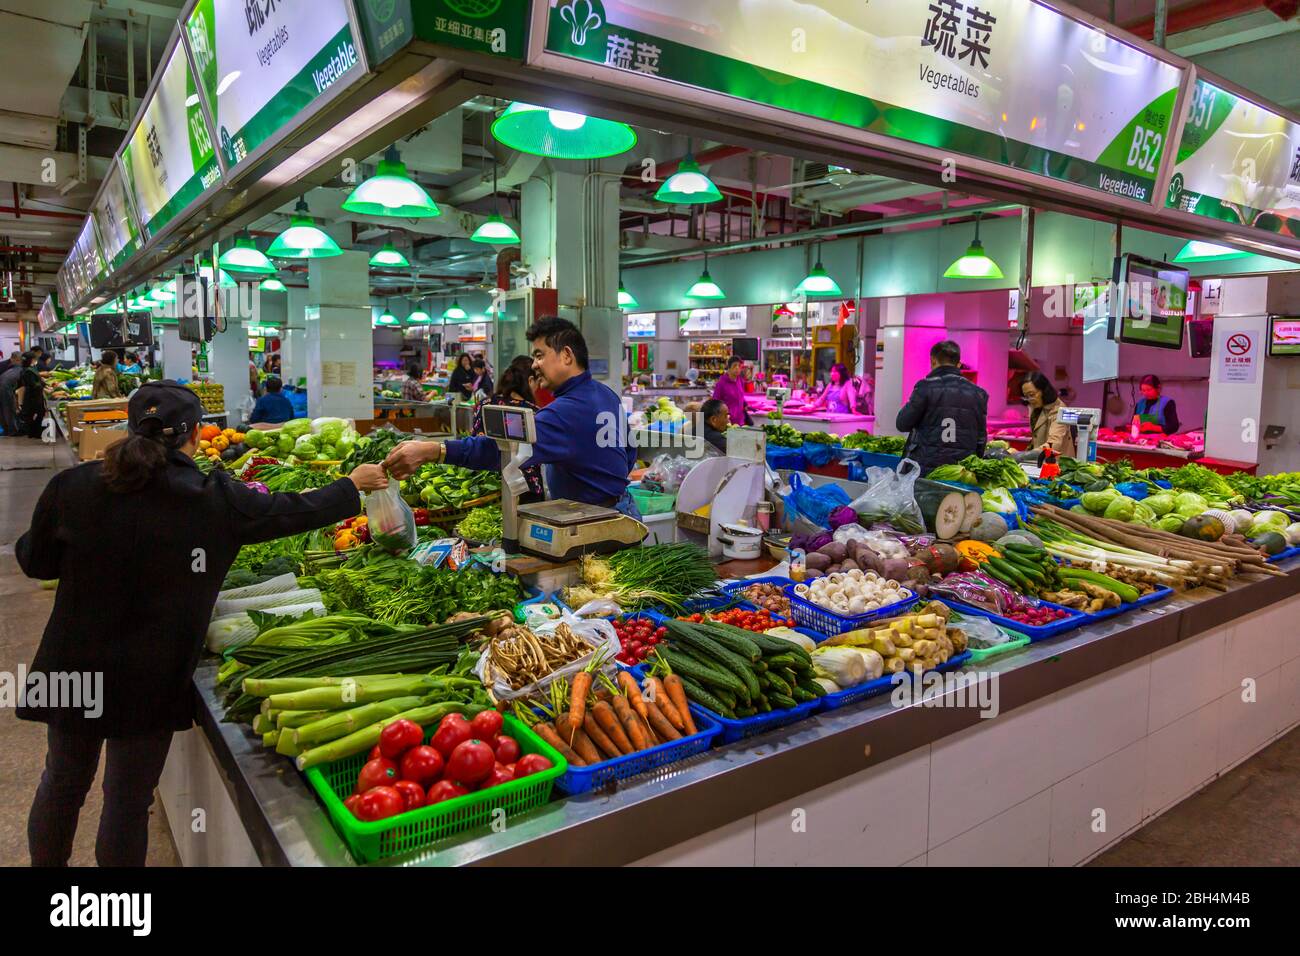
1151,305
110,331
1284,335
1200,337
747,349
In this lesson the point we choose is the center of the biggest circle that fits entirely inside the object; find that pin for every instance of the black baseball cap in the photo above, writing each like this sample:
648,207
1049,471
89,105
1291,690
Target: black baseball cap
176,407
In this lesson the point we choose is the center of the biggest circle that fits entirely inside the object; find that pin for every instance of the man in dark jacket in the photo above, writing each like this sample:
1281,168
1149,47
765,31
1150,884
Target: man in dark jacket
947,417
125,634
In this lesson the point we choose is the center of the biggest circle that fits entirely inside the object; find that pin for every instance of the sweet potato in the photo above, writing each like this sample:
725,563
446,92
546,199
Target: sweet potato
836,551
817,560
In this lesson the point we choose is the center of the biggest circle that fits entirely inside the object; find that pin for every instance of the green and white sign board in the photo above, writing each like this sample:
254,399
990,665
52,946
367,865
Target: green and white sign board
1007,81
263,63
116,225
169,159
87,265
1237,162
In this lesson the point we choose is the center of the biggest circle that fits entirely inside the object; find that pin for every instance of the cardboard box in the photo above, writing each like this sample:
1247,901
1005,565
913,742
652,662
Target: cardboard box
94,440
77,412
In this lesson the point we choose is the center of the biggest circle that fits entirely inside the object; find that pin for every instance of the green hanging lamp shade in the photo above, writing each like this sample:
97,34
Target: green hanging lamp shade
1197,250
626,300
419,316
688,186
705,287
818,282
391,192
387,318
560,134
389,256
455,313
271,284
303,239
496,231
975,264
244,256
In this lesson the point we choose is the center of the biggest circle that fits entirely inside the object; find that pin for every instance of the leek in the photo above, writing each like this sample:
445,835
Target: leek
367,737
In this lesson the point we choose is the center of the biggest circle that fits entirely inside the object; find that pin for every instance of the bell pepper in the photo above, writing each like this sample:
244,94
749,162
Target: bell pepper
421,517
345,540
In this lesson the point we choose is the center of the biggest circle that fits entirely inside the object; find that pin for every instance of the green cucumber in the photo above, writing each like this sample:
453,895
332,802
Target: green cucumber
812,687
1028,550
784,701
778,683
801,695
734,663
690,667
702,697
733,641
1127,593
743,712
1010,571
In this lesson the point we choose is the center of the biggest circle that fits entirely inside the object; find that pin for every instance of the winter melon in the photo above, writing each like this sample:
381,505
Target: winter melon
1229,522
1270,542
989,527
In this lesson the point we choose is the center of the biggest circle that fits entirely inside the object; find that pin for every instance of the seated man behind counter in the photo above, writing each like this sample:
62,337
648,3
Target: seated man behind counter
579,465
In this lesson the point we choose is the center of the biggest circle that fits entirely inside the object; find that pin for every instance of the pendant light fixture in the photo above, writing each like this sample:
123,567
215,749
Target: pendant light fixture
1197,250
388,318
455,313
626,300
163,293
688,186
244,256
391,192
818,281
303,239
494,229
705,287
389,256
419,316
272,284
560,134
975,264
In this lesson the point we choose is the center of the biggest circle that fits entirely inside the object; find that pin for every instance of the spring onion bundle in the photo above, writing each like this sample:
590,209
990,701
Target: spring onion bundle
639,577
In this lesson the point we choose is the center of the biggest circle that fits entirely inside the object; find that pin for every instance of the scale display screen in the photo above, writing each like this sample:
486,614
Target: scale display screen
509,424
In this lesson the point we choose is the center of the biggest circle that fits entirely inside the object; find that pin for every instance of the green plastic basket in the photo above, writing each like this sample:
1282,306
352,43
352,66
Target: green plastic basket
652,502
419,829
978,654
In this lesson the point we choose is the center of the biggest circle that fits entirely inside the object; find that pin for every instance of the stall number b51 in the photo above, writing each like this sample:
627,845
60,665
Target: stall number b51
1145,149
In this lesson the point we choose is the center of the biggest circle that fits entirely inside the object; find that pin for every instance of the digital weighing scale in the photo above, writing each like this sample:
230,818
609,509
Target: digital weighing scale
1086,422
558,530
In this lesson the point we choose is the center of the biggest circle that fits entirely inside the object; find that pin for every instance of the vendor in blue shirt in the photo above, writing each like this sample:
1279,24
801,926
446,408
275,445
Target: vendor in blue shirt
581,463
273,407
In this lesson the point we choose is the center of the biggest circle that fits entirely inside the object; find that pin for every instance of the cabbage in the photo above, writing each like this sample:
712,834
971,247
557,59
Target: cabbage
1171,523
284,444
1142,514
1241,518
1120,509
306,447
1098,501
1189,504
253,438
1269,521
1161,504
329,429
343,447
296,427
1292,534
998,499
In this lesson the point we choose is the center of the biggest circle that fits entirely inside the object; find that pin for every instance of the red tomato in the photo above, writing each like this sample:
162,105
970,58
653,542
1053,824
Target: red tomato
376,773
486,725
511,768
507,749
642,652
450,736
422,764
399,737
380,803
452,719
374,752
530,764
411,792
470,762
444,790
352,803
498,776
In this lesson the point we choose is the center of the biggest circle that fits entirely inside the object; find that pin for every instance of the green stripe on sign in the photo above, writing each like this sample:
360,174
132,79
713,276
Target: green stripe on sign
311,82
760,85
1218,108
183,197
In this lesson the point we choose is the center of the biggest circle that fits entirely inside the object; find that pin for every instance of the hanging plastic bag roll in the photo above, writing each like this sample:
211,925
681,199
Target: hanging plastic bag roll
391,521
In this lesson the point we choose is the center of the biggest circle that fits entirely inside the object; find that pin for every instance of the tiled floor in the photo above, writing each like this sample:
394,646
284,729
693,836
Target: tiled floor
1251,816
25,467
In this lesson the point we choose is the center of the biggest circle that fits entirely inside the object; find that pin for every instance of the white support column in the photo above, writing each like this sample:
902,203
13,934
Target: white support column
228,365
177,356
340,350
293,346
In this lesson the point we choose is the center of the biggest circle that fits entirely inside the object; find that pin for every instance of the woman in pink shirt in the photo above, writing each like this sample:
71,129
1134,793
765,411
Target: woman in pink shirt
730,390
839,396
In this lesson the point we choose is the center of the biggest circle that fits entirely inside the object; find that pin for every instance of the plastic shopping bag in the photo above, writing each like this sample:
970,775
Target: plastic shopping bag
813,503
392,523
891,498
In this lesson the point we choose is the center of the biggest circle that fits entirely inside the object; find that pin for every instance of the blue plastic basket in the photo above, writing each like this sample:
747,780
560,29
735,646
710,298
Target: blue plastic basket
1076,619
1283,555
868,459
734,587
815,618
1159,594
586,779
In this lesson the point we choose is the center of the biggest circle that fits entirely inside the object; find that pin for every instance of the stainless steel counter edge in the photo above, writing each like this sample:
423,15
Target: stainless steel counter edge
287,825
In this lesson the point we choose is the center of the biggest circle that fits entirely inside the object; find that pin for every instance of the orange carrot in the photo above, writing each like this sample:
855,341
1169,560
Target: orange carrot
580,742
599,737
627,683
602,693
660,697
608,721
677,693
660,723
578,698
547,733
631,723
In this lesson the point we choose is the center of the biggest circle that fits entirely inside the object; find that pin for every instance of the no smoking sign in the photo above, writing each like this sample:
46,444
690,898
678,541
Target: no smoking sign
1237,362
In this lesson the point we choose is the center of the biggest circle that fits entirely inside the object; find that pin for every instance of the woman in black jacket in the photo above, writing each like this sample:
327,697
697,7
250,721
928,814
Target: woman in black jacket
461,385
125,634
